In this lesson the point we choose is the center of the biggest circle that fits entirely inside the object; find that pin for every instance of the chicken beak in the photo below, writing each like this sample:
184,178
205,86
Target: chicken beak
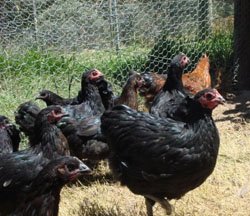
59,116
61,124
221,100
64,112
39,97
83,168
9,125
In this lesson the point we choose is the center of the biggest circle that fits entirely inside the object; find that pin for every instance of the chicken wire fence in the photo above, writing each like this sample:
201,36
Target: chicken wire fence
56,36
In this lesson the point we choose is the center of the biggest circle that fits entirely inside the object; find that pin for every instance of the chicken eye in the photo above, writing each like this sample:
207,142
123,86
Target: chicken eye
57,111
6,121
71,167
209,96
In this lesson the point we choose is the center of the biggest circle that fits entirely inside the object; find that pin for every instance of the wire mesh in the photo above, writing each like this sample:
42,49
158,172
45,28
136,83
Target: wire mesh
58,39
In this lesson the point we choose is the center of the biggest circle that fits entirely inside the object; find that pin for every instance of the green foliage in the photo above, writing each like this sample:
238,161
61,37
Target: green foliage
218,46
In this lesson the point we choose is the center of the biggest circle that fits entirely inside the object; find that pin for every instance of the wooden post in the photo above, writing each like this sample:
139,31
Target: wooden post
242,42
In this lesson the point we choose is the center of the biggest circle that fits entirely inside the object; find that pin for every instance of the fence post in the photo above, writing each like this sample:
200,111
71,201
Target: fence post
203,18
117,30
241,42
111,23
35,18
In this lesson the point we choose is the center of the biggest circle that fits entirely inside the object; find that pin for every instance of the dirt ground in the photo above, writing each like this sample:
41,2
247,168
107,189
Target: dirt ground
225,193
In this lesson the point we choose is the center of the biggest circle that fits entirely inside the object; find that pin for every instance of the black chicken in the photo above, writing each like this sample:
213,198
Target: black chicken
25,117
89,89
161,158
9,136
88,93
43,194
84,133
106,92
172,96
153,83
51,98
85,138
19,169
82,126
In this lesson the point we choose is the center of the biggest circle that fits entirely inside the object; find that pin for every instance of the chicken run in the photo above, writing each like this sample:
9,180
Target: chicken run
153,155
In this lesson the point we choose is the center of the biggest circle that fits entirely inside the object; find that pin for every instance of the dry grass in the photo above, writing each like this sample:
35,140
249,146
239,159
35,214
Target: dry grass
226,192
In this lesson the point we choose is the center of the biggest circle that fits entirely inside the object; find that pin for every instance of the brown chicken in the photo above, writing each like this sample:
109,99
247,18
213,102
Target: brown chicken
199,78
130,91
193,82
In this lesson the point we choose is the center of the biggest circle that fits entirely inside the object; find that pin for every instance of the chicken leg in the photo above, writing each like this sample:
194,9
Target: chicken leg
151,200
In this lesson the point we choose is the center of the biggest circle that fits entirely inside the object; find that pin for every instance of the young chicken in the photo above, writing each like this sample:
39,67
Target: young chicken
130,91
199,78
25,117
51,98
161,158
19,169
42,196
88,92
167,102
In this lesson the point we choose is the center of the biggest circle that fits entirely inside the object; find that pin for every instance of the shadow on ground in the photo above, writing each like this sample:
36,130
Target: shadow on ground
238,108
